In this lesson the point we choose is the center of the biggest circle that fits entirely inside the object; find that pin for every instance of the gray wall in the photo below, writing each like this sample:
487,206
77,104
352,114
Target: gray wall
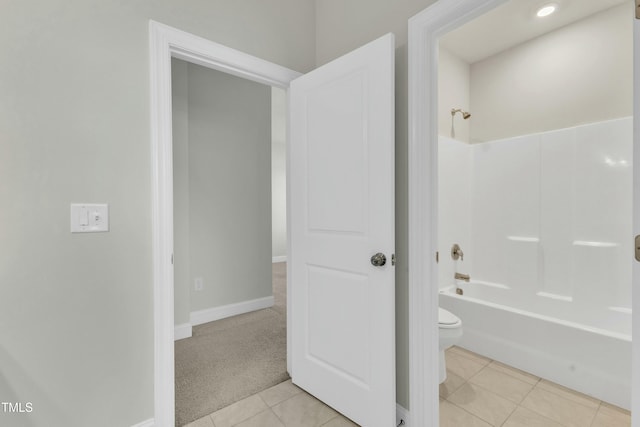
580,73
76,313
453,92
229,178
222,154
341,27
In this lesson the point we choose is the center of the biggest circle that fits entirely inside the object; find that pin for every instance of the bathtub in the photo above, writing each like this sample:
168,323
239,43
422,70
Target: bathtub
589,350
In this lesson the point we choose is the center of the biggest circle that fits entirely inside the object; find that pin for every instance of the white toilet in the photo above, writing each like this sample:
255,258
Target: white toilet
450,328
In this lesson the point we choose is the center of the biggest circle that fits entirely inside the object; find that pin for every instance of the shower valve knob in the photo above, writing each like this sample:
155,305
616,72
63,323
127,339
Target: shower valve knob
456,252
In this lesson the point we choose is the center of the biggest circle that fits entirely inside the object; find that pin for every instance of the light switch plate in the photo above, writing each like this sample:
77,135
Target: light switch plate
89,217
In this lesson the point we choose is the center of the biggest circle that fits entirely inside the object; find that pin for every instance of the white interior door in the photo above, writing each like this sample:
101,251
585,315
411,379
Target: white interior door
342,213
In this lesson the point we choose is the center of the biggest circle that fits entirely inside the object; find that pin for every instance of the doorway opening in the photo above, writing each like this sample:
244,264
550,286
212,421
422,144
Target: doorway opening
430,50
194,50
331,106
225,139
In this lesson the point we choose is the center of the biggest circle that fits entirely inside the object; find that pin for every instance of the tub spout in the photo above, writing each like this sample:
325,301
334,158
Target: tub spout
460,276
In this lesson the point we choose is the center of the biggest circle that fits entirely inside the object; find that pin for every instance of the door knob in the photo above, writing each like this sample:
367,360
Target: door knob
378,260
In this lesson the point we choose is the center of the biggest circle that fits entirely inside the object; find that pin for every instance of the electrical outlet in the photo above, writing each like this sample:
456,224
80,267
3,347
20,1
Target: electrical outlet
198,284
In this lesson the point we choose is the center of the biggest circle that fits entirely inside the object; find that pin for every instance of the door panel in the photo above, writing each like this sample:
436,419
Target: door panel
342,213
337,204
342,353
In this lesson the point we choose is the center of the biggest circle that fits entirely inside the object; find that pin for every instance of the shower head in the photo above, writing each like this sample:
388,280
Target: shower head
465,114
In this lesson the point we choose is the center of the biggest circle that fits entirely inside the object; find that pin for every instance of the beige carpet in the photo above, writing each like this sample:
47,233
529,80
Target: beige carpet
230,359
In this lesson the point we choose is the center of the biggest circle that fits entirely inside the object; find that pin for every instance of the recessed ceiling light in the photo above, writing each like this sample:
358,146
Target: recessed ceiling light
546,10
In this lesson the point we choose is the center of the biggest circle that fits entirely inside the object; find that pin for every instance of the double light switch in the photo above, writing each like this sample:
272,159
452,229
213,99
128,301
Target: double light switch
89,217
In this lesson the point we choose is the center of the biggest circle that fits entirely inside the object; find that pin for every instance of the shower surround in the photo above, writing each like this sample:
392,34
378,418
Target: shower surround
545,223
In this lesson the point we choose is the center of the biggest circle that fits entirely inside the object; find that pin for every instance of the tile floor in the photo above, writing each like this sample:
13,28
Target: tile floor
283,405
478,392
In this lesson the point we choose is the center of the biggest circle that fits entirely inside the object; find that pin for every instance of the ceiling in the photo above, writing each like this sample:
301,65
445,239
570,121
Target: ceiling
515,22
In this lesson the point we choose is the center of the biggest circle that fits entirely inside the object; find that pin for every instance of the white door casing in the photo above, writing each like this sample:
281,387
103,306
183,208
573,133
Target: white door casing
635,274
166,42
341,213
425,28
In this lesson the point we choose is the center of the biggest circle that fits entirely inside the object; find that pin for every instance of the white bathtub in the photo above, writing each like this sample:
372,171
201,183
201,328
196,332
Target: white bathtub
590,351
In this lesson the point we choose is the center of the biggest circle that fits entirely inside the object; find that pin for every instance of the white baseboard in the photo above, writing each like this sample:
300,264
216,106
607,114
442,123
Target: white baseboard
148,423
217,313
402,415
183,330
282,258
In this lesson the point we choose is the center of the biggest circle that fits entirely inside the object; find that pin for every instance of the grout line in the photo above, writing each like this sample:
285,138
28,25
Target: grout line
262,398
457,388
586,397
511,374
518,405
596,414
510,414
470,413
475,357
493,392
533,387
555,421
542,415
256,415
488,391
328,421
279,419
477,373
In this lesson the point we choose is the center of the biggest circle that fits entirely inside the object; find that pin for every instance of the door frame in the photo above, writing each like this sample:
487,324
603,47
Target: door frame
635,272
166,42
425,29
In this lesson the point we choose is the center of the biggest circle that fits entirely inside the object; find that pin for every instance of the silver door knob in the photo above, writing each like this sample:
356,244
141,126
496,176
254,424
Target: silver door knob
378,260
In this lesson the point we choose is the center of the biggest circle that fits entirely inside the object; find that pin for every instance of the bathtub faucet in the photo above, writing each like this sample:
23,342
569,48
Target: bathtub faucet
460,276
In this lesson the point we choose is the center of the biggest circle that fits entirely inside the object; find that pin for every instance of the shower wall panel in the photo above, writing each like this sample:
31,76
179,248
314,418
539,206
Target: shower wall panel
549,214
454,206
505,208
